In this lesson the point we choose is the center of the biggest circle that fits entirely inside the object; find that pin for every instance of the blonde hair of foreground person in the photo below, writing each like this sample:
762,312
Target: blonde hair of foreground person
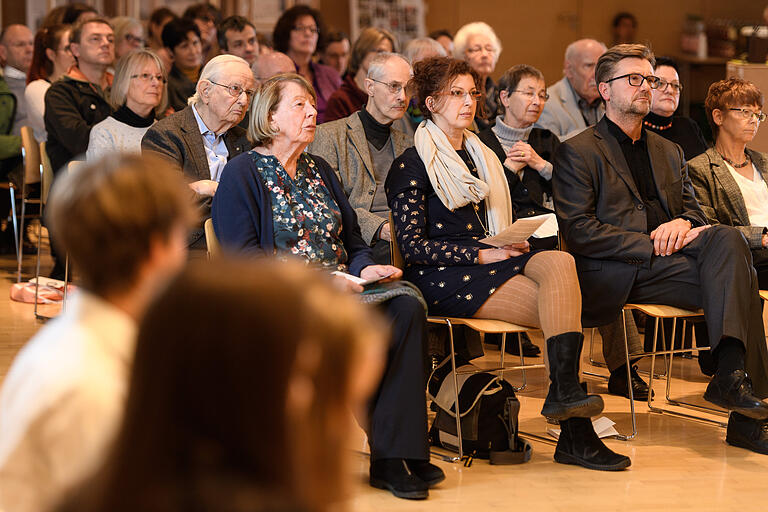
243,377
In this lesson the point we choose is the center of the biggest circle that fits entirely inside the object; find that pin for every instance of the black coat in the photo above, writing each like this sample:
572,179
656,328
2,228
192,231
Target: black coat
180,89
602,217
72,107
527,194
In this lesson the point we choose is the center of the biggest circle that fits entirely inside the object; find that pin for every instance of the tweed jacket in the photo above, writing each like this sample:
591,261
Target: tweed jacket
343,145
602,216
561,114
719,194
177,138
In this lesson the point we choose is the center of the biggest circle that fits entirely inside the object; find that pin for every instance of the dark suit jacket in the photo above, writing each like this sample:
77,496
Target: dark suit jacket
602,217
720,196
178,139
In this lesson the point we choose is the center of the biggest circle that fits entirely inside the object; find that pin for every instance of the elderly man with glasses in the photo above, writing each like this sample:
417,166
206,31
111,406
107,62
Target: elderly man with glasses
362,147
628,214
204,136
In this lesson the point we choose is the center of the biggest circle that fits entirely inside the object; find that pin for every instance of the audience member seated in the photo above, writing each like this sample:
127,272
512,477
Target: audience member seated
206,17
335,53
271,64
123,222
129,35
242,420
478,44
157,21
138,95
662,119
362,147
352,95
50,61
297,34
278,199
730,179
634,244
10,162
17,45
449,191
202,137
574,101
526,152
444,38
237,36
624,28
78,12
181,38
417,50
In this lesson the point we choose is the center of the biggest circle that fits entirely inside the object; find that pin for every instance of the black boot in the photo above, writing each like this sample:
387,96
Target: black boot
579,445
428,472
566,398
747,433
394,475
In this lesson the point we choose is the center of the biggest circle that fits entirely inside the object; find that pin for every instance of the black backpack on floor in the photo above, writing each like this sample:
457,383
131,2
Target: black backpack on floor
489,414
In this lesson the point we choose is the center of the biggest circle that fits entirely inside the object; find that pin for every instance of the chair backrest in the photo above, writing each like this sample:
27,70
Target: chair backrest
214,248
46,174
30,150
394,249
74,164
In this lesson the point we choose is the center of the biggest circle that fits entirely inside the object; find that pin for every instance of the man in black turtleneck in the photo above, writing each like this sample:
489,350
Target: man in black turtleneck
363,146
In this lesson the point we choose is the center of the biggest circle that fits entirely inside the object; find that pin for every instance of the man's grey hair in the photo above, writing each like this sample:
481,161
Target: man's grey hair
377,64
214,70
422,48
574,49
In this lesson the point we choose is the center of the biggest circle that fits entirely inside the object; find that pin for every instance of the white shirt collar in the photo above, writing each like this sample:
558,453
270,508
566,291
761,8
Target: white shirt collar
11,72
201,124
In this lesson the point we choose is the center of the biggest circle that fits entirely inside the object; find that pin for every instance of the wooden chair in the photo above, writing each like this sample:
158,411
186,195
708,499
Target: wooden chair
764,294
30,152
46,179
480,325
214,248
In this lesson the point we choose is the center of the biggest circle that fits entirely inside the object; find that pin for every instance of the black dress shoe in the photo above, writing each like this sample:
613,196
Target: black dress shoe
426,471
747,433
512,346
395,476
617,383
578,444
733,391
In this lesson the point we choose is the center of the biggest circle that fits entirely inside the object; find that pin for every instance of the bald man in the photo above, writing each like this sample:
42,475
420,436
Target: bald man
574,103
16,46
271,64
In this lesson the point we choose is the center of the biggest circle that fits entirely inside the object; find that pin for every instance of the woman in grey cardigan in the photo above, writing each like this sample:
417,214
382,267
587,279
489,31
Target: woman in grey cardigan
139,94
730,180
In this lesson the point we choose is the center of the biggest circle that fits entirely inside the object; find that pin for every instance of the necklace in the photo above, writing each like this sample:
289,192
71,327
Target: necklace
661,128
746,161
476,207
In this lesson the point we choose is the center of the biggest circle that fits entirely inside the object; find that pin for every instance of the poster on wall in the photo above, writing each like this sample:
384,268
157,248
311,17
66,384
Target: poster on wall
404,18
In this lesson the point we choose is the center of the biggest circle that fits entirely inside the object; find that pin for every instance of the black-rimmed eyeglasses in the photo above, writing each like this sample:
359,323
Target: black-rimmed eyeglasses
636,80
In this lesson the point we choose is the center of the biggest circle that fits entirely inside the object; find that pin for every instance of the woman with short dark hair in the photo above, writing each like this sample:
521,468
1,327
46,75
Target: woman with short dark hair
298,33
182,39
446,194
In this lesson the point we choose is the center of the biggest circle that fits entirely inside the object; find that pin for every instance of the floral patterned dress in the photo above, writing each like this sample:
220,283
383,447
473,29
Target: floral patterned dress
306,219
441,246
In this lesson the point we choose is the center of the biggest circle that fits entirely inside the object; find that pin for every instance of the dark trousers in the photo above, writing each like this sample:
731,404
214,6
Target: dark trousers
397,427
382,254
760,262
715,273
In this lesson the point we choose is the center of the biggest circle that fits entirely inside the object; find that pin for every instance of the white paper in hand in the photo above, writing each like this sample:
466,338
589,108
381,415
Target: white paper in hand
549,228
520,231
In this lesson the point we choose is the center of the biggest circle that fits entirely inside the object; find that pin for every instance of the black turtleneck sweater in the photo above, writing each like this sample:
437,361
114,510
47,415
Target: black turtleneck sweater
376,134
682,130
131,118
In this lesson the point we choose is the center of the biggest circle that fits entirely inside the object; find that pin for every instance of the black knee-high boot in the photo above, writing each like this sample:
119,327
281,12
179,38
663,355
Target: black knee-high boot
566,398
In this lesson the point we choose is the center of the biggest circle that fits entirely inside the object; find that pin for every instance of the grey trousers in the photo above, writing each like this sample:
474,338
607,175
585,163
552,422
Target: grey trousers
613,341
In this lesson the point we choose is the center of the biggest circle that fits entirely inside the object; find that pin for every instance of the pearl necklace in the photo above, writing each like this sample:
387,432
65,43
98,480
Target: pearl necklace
658,127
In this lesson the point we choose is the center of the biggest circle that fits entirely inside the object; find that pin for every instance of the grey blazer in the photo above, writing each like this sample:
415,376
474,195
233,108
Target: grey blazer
342,144
177,138
561,114
719,194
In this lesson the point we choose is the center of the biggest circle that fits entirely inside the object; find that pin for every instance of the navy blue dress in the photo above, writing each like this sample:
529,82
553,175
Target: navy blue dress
440,247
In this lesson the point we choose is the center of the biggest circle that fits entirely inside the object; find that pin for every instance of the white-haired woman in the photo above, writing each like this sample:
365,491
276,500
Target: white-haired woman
139,95
478,44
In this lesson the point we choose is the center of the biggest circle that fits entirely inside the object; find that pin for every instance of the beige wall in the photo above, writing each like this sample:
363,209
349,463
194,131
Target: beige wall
536,32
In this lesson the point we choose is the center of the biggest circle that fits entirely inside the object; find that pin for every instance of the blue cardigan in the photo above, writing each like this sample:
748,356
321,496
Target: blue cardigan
242,212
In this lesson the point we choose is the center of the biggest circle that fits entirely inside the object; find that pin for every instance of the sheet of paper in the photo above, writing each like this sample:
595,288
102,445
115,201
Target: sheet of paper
358,280
549,228
520,231
603,428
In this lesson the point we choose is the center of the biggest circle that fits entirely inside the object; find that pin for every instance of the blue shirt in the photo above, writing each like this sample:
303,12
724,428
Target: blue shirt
216,151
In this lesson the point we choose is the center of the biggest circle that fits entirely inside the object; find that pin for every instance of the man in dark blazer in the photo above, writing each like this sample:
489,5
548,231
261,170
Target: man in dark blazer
628,214
202,137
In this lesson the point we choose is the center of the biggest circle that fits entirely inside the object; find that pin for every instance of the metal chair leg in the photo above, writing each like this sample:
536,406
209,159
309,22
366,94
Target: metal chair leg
631,436
66,281
455,389
592,361
20,236
14,220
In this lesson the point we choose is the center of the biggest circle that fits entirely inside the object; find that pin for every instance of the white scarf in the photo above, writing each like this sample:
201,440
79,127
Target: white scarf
452,181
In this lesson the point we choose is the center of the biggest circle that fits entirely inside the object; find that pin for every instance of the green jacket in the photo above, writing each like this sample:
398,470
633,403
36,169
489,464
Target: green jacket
10,145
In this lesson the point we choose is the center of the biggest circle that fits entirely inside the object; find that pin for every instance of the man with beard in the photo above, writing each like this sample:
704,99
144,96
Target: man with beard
628,214
362,147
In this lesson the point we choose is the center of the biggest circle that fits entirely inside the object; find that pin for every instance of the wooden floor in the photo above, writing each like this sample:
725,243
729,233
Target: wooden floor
676,464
